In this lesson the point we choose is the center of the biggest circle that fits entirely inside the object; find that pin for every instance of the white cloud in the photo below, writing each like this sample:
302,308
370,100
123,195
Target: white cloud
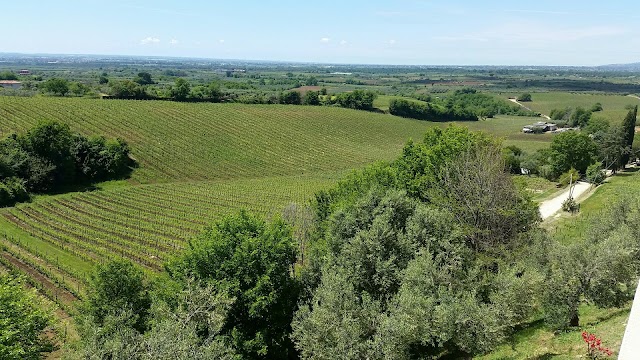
150,40
343,42
391,42
221,41
173,42
325,40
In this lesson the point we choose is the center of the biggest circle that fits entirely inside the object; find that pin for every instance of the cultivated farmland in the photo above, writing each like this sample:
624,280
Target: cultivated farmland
196,163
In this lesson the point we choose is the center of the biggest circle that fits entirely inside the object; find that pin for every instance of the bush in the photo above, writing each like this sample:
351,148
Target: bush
290,98
571,176
570,205
357,99
524,97
23,320
12,190
595,174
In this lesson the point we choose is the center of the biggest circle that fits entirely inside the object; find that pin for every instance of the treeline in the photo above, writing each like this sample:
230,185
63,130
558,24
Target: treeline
462,105
49,157
183,91
436,253
575,117
428,111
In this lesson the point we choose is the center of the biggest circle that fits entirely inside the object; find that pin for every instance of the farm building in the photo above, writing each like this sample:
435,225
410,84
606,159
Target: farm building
10,84
540,126
24,72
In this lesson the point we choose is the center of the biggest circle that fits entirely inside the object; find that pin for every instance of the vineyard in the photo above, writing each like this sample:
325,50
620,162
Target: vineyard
195,163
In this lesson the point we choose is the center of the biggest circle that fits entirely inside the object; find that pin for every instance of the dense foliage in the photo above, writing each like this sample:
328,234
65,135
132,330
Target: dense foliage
428,111
252,262
357,99
180,323
404,252
461,105
50,157
23,319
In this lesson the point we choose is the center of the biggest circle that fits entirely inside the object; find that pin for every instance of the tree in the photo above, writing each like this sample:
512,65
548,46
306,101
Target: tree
51,142
628,128
56,86
311,98
187,327
103,80
580,117
595,174
484,199
23,320
601,268
8,75
357,99
572,149
290,98
78,89
127,89
524,97
144,78
115,287
512,158
596,124
180,90
253,262
596,107
612,147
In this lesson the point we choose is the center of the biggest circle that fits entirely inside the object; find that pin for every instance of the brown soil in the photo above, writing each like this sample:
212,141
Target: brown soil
303,89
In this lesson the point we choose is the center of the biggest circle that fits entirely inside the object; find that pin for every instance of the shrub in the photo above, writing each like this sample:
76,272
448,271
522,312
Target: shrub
524,97
595,174
571,176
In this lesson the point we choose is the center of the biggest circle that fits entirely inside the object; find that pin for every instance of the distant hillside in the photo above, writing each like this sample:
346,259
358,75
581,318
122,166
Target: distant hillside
621,67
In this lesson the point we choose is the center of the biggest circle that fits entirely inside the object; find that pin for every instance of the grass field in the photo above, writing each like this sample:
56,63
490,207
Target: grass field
613,105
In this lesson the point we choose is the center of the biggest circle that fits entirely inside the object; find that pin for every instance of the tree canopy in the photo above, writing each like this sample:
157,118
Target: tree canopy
252,261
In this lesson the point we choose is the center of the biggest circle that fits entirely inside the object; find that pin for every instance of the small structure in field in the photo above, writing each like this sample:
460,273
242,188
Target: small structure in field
10,84
24,72
539,127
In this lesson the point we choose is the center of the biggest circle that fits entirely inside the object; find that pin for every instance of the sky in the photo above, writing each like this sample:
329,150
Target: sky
402,32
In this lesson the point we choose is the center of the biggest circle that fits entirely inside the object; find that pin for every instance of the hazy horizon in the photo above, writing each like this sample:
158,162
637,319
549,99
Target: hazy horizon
406,32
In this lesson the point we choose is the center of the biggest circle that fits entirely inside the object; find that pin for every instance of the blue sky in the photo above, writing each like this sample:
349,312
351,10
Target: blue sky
450,32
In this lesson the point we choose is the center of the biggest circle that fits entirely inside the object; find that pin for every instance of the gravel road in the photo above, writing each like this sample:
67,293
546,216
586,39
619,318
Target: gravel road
549,207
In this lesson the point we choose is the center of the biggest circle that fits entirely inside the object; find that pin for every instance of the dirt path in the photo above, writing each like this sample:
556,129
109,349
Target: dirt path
634,96
515,101
550,207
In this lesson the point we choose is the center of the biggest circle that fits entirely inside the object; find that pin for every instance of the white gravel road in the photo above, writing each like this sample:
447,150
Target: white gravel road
549,207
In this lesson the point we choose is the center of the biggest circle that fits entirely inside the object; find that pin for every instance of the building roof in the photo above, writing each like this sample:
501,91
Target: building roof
9,82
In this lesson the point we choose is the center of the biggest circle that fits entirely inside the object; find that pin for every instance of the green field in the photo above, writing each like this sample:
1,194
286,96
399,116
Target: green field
613,105
196,163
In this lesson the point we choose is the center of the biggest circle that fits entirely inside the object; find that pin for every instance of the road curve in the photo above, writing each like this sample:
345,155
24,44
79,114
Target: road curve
550,207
